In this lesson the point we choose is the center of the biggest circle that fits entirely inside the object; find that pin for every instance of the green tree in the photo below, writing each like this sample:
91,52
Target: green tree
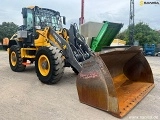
143,34
7,29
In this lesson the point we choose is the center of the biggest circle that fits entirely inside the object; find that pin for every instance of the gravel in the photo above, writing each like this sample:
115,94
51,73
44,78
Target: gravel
24,97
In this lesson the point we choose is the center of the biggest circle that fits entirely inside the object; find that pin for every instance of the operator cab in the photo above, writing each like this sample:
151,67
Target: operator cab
41,18
35,18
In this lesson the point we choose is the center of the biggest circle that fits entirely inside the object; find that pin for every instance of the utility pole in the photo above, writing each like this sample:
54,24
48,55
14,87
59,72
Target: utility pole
131,23
81,20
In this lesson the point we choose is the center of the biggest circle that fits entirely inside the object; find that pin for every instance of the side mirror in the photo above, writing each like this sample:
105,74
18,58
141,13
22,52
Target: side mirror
64,20
24,12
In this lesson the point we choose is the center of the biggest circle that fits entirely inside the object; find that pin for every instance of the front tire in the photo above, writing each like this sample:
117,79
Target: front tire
49,64
15,59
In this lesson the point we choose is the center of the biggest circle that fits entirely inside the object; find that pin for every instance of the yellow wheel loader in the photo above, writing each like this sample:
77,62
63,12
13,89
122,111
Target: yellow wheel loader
41,39
114,80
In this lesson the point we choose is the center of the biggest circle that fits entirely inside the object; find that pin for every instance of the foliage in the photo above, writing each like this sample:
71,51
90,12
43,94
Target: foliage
7,29
143,33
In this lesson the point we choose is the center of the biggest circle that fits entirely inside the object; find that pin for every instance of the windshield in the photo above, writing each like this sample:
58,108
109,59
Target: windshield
46,17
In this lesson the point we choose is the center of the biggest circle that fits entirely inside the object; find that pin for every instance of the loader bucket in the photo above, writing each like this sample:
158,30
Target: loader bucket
115,81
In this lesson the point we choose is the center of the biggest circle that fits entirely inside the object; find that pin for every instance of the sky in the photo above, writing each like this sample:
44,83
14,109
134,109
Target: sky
94,10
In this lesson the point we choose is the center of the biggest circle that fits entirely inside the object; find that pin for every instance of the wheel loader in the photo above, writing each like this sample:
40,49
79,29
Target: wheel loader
42,40
114,81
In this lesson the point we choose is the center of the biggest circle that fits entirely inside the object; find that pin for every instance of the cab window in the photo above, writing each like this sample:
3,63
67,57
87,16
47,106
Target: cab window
29,19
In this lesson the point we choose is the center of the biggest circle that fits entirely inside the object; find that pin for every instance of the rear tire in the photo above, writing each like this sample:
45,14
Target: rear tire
15,59
49,64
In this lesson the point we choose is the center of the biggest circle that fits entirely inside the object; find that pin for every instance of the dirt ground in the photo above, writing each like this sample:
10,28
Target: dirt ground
24,97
